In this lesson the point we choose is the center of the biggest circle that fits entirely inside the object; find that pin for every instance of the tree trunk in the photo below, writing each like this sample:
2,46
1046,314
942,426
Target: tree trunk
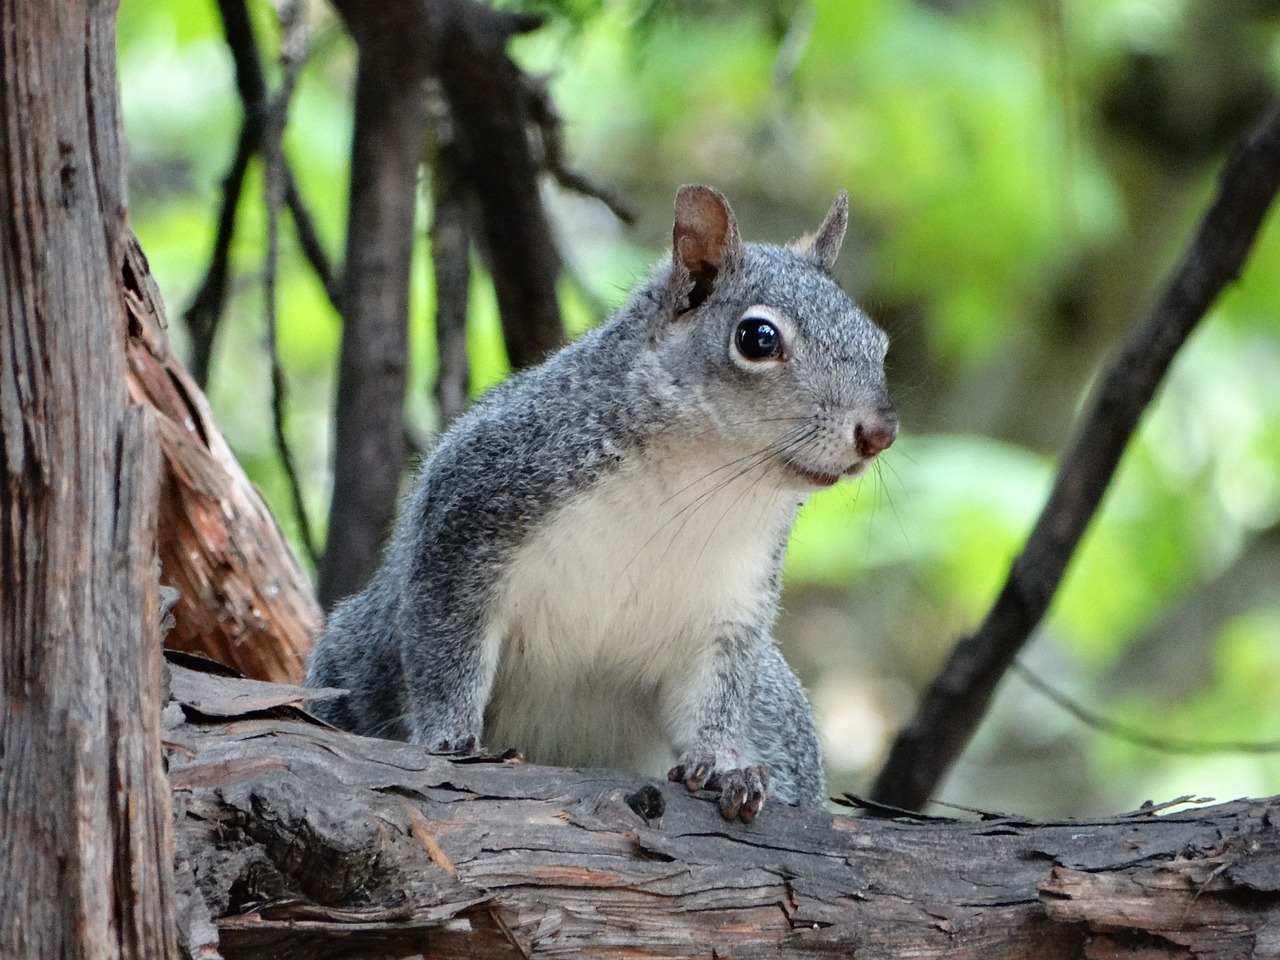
87,824
308,842
386,150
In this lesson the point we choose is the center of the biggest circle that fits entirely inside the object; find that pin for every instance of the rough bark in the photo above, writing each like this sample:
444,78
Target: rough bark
307,842
957,700
84,815
244,600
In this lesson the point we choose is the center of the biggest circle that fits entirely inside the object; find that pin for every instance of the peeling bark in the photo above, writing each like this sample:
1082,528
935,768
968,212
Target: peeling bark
244,600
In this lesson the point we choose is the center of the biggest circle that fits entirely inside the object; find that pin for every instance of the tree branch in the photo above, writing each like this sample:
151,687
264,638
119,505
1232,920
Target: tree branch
307,841
488,104
958,698
292,56
206,308
546,120
1140,738
451,272
386,150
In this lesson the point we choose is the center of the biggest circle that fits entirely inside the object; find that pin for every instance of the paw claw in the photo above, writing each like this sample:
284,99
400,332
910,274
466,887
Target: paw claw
464,746
694,772
743,793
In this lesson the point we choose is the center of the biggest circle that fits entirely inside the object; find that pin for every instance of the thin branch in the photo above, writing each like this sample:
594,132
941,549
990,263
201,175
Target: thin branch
292,56
205,311
958,698
304,225
1134,735
451,271
550,128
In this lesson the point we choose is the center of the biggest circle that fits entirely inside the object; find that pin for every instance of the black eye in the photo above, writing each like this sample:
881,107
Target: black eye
758,339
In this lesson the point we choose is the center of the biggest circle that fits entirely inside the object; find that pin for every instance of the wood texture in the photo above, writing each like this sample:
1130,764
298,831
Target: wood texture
307,842
85,820
244,600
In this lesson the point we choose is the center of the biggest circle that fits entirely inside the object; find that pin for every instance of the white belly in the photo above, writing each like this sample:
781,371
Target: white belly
615,603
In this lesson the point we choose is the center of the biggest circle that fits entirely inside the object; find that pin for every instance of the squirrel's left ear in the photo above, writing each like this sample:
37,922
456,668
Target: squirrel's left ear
704,245
824,246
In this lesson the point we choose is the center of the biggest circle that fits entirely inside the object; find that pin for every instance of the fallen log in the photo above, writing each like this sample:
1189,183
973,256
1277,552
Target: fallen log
297,840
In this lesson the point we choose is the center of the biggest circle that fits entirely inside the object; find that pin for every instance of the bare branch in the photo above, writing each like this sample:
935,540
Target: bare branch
204,313
546,119
958,699
1133,735
293,52
451,270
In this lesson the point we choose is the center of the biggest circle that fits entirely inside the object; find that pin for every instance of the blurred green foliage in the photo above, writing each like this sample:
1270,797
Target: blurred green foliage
1022,175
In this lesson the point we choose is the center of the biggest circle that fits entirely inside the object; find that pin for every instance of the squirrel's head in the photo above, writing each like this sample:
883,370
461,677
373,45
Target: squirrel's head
769,348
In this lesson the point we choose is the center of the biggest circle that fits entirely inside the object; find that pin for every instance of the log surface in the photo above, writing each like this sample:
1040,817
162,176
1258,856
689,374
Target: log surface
306,841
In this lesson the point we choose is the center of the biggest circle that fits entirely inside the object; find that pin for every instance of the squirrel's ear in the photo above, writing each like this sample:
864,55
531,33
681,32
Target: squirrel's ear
824,246
704,244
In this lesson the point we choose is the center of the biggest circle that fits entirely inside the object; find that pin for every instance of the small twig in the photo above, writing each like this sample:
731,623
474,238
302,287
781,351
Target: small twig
887,810
292,57
205,310
1135,736
958,699
204,313
304,225
546,119
1150,808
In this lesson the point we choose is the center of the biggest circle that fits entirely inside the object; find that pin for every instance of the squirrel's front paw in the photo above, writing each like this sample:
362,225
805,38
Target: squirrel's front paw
461,747
742,791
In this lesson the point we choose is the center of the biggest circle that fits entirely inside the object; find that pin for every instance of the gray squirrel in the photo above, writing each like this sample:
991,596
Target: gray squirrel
588,566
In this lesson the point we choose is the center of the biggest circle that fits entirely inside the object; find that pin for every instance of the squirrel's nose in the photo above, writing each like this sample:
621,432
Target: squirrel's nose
872,436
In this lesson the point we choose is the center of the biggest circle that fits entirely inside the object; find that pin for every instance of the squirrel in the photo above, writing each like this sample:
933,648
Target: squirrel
588,566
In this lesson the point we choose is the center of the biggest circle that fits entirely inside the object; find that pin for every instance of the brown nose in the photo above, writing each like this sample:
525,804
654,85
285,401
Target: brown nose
873,436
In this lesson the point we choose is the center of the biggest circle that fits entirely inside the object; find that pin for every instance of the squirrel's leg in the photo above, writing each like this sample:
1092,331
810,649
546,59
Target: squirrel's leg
448,662
782,733
708,719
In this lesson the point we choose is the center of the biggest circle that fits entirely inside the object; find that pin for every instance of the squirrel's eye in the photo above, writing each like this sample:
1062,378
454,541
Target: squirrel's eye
758,339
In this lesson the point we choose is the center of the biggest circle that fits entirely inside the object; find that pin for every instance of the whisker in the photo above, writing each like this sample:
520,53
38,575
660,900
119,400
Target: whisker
758,458
889,496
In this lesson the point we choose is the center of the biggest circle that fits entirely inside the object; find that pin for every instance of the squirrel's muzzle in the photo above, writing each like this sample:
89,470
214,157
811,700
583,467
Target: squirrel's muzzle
875,434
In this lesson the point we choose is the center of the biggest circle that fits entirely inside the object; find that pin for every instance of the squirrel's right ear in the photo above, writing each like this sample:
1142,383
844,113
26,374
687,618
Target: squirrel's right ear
704,244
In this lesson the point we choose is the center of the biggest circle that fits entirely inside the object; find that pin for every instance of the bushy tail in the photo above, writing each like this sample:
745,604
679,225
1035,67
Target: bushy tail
357,653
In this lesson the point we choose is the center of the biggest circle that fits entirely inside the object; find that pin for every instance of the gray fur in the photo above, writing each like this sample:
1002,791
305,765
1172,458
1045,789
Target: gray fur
443,646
